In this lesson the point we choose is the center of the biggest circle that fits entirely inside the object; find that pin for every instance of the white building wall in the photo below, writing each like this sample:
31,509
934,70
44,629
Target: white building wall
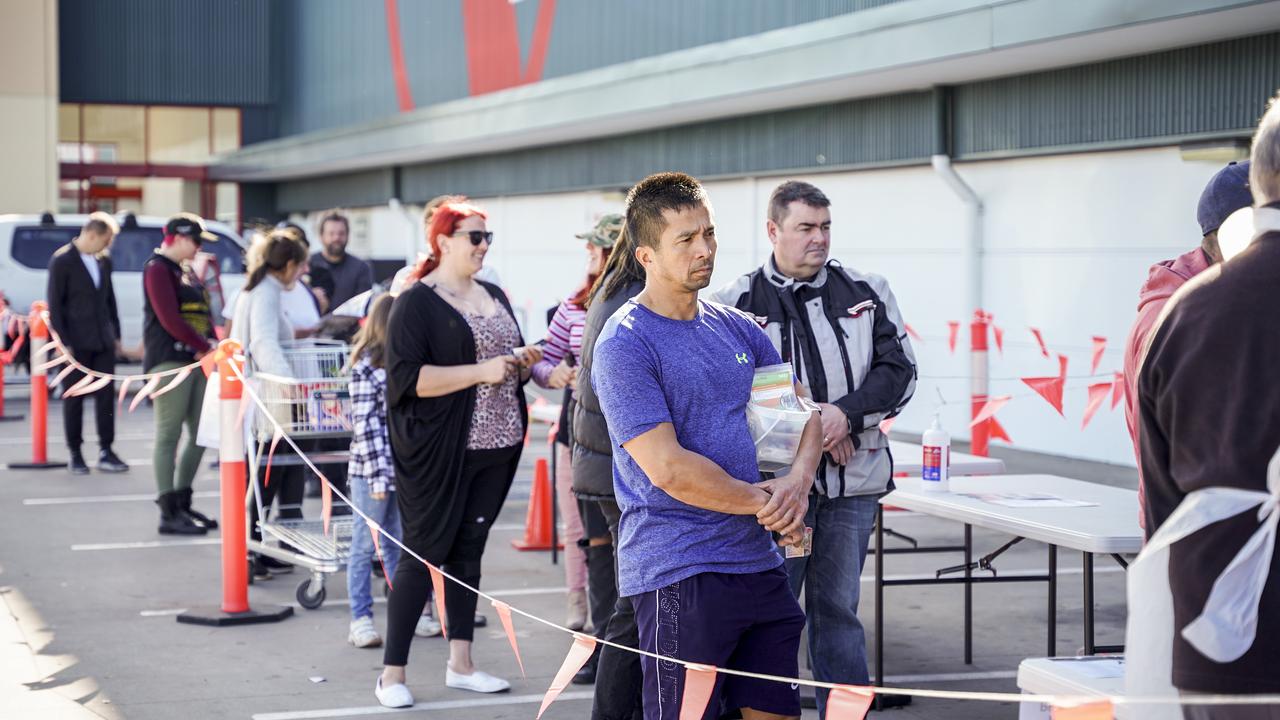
1068,243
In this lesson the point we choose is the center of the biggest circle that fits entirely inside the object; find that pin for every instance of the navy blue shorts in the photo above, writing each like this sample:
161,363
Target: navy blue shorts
742,622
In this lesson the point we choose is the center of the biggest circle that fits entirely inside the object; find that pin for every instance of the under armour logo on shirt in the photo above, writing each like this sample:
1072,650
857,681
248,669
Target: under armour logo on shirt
742,358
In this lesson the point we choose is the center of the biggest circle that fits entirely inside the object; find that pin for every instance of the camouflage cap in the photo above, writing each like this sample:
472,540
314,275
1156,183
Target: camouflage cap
606,231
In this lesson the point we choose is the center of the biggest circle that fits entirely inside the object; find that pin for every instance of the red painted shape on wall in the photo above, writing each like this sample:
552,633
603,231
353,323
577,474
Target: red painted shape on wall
493,44
401,76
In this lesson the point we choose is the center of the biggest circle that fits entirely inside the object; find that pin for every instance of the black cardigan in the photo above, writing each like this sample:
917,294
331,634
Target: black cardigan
429,435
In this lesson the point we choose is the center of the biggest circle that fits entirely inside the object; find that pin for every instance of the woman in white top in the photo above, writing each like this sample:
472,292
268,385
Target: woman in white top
274,263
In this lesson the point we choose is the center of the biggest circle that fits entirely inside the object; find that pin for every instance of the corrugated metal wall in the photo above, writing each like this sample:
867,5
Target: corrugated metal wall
362,189
170,52
1217,88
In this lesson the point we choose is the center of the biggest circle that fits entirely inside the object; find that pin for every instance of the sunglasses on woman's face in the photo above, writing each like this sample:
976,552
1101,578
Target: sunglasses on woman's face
477,236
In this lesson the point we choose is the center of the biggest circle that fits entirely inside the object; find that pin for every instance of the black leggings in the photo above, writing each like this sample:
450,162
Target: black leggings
486,478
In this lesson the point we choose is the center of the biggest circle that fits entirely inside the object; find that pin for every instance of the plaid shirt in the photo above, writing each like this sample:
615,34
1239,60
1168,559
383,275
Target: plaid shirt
370,444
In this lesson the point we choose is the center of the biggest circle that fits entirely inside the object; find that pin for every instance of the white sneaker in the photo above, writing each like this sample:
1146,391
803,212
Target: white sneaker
427,627
396,696
478,681
363,634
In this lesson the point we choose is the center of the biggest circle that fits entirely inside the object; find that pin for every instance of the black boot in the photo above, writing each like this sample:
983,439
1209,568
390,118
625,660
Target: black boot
197,517
172,520
77,465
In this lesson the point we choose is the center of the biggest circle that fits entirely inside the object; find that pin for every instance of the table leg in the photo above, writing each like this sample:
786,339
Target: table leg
968,594
1088,604
1053,601
879,596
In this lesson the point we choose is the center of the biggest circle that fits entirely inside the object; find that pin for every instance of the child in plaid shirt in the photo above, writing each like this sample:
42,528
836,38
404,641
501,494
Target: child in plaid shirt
371,471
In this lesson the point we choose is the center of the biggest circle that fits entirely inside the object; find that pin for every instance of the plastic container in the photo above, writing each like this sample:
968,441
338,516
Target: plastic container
936,464
777,434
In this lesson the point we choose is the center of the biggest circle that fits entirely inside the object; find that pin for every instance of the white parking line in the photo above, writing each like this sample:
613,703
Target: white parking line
382,600
95,499
441,705
950,677
146,544
88,441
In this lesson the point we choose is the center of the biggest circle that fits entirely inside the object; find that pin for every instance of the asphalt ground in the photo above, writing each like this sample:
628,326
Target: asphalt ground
89,593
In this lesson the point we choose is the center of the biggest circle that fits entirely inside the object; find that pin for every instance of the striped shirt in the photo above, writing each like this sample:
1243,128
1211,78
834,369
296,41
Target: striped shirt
564,337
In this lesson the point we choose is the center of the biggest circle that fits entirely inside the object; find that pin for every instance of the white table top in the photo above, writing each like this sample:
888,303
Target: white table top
908,457
1111,526
1066,676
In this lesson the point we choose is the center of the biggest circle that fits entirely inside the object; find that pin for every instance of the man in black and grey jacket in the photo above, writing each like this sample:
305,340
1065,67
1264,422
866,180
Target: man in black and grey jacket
843,334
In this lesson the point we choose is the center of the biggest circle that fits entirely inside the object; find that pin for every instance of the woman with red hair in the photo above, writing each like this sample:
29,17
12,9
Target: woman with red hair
456,364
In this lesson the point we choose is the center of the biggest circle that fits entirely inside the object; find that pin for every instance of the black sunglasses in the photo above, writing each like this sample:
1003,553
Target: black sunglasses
477,236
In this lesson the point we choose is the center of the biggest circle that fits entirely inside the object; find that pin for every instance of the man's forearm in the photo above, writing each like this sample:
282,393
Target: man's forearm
697,481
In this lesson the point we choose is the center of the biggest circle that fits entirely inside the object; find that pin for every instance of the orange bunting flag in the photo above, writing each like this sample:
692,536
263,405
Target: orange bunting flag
1118,391
989,410
80,385
52,363
83,388
271,454
1099,347
326,502
997,431
124,390
144,392
1040,341
1092,711
70,368
699,682
245,400
174,383
1097,395
1062,367
953,331
437,587
504,615
999,333
376,531
912,332
849,703
1049,388
887,423
578,656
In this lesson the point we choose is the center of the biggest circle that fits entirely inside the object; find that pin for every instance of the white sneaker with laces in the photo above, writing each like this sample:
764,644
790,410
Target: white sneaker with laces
396,696
427,627
478,681
363,634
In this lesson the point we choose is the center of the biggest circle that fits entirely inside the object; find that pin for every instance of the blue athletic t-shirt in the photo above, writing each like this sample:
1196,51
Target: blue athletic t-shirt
695,374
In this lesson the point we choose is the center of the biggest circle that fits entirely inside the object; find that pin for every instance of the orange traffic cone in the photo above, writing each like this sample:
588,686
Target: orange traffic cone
537,523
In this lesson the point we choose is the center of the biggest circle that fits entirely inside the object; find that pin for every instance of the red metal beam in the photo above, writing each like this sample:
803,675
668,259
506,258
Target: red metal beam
72,171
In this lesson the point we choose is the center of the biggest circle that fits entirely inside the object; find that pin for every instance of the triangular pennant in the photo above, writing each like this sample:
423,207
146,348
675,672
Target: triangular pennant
271,455
699,683
578,656
953,331
997,431
1049,388
175,382
376,531
999,333
92,387
80,385
1099,347
1062,367
912,332
1092,711
887,423
849,703
1097,394
504,615
124,390
989,409
1118,391
209,362
144,392
437,587
70,368
245,400
49,365
47,348
1040,341
326,502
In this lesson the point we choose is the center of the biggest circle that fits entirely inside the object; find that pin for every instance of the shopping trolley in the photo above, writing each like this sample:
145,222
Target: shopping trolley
311,403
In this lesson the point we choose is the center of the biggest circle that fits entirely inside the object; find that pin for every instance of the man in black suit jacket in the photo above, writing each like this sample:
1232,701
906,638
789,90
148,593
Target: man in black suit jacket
82,310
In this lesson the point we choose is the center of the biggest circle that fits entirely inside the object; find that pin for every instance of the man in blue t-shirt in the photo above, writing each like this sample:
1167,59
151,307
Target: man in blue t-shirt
695,556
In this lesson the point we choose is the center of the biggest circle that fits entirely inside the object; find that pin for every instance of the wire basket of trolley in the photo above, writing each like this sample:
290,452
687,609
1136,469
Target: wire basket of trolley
312,405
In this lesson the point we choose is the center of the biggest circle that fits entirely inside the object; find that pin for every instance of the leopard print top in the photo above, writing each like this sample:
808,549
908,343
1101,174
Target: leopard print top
495,422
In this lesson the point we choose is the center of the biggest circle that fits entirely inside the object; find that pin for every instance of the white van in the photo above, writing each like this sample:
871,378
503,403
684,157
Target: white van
28,241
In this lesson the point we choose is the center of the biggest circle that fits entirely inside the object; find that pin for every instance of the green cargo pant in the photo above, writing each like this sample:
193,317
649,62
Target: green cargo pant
173,409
